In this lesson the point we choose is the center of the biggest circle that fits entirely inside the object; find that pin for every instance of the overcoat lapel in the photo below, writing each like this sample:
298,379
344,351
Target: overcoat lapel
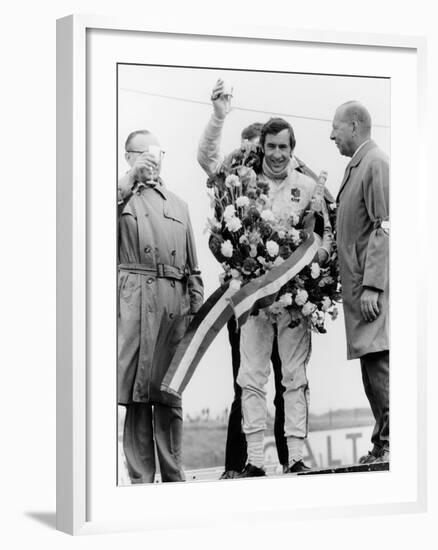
354,162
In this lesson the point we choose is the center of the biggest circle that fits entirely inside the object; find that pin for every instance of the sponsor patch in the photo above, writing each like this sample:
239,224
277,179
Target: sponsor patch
295,194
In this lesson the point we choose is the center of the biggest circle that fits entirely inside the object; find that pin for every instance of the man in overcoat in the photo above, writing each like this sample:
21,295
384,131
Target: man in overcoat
159,288
362,233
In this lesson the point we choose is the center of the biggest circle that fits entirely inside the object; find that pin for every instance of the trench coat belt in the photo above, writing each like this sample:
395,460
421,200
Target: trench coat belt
162,271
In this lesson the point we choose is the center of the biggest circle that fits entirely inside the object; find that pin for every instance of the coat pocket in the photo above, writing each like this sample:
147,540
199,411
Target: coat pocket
172,213
353,264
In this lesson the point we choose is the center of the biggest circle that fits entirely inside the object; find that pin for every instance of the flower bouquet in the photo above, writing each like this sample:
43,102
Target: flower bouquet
249,240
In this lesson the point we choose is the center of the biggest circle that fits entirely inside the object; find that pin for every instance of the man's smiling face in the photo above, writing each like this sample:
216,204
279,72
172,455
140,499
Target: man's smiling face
277,150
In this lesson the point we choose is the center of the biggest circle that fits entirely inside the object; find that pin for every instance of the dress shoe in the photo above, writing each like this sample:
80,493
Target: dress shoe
371,457
252,471
229,474
297,467
384,456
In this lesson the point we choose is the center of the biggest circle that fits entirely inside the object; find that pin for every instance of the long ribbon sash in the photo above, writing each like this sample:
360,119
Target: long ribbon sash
201,332
225,302
262,292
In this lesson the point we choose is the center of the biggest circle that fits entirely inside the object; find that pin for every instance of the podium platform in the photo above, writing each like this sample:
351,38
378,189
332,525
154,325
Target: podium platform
374,467
213,474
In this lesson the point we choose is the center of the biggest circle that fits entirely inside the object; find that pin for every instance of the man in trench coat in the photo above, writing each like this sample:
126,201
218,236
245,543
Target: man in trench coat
159,288
362,233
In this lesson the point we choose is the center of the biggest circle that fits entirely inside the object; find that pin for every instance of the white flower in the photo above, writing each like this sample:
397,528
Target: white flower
234,273
227,249
295,236
286,299
301,297
232,180
268,216
281,234
241,202
272,248
308,308
235,284
229,212
278,261
244,239
254,237
233,224
315,270
294,219
253,251
326,303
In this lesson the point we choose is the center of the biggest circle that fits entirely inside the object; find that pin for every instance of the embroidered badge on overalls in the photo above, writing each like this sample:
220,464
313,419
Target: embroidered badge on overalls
295,195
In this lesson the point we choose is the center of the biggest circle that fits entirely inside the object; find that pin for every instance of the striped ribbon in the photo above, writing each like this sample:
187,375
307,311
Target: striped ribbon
201,332
262,292
225,302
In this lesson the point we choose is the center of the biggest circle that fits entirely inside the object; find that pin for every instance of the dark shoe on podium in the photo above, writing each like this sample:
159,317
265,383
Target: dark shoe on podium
384,456
230,474
252,471
371,457
298,467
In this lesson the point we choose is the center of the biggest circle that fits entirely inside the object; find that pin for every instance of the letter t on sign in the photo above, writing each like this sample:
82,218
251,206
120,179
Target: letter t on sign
353,438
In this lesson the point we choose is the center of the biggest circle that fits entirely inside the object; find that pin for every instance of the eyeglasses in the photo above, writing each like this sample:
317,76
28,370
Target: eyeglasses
162,153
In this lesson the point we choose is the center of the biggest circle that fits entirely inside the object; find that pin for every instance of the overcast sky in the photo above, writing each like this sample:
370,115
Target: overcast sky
169,102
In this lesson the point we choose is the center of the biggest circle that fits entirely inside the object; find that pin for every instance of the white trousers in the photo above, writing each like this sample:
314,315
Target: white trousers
294,346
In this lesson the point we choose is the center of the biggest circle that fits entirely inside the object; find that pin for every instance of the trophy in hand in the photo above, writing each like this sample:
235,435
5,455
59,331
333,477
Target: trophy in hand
221,98
227,94
155,152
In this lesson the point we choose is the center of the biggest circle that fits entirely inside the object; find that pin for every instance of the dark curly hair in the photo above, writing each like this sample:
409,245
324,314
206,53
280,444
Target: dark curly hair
275,126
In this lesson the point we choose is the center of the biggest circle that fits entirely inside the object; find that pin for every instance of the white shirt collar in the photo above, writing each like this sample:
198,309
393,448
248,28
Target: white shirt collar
360,147
293,163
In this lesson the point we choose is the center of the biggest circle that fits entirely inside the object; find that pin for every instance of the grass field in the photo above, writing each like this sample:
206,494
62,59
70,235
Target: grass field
203,446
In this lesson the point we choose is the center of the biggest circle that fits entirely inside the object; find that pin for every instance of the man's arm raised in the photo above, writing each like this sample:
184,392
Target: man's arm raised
209,154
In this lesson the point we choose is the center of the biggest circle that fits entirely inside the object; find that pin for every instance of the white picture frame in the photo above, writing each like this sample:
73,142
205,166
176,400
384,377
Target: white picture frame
73,301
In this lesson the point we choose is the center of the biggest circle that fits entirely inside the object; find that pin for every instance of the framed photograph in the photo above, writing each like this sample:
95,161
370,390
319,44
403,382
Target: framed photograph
201,176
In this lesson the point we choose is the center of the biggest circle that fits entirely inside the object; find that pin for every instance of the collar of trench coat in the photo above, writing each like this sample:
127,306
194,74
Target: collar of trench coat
157,186
355,161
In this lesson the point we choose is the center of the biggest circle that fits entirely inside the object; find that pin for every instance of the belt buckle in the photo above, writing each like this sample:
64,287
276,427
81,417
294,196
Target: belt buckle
160,271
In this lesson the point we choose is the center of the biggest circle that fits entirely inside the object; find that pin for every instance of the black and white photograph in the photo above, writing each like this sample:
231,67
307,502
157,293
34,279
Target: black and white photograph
253,274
